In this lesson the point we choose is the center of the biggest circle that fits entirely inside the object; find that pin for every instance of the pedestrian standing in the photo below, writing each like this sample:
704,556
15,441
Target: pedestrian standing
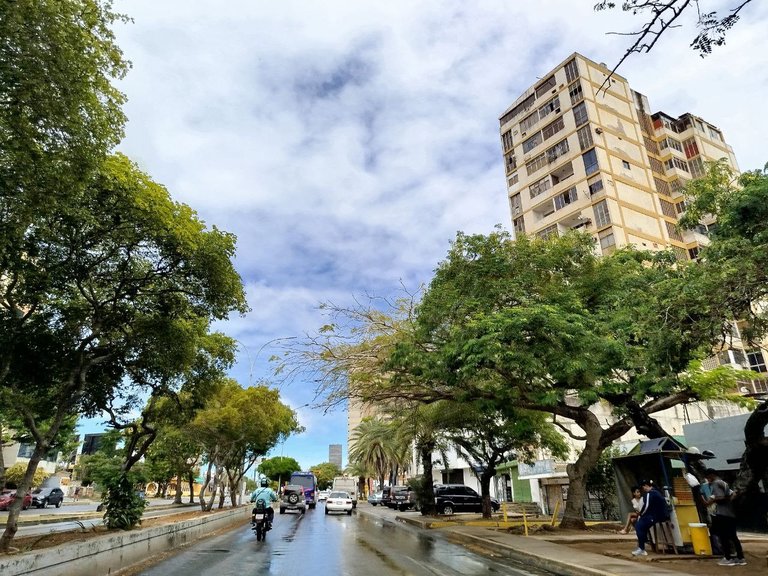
724,519
77,494
652,511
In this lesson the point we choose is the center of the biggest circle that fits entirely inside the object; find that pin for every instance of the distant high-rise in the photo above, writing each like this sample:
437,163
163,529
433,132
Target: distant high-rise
334,454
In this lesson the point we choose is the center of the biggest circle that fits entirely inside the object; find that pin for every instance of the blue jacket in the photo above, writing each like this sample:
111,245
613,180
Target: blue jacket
654,506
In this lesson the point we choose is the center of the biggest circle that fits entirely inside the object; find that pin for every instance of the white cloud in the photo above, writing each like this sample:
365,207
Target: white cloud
346,142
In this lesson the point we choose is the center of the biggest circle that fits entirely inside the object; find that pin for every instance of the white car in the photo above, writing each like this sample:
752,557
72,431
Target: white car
323,494
339,502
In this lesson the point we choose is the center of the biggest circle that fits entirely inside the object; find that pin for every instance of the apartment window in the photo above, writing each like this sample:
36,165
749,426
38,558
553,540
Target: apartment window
536,164
668,209
515,204
661,186
513,179
680,207
532,142
517,110
656,165
590,162
756,361
626,165
545,86
697,167
607,241
511,162
553,128
677,185
575,92
595,185
548,232
670,143
558,150
529,122
672,231
571,70
585,137
602,215
567,197
506,141
580,113
693,253
676,163
519,225
539,187
551,106
699,125
715,134
690,148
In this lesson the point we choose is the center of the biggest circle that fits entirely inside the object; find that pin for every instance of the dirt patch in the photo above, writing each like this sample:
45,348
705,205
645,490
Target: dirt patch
29,543
610,544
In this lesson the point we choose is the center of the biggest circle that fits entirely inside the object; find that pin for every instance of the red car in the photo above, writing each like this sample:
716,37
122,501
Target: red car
8,496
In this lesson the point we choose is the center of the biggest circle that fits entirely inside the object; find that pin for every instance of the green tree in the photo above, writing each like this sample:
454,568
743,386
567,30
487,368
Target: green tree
549,326
487,437
279,468
122,288
325,472
235,429
601,482
14,475
733,278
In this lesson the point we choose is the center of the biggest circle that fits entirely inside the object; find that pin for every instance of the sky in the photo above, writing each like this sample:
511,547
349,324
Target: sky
345,143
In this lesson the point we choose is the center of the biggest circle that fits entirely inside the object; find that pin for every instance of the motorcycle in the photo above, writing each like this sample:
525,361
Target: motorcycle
260,521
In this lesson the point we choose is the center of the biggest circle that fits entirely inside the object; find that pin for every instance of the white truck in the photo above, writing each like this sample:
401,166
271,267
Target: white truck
346,484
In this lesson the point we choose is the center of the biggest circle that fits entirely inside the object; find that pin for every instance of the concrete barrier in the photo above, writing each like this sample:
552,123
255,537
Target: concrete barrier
112,552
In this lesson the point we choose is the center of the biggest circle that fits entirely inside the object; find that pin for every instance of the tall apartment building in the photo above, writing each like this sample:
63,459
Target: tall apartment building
334,454
583,152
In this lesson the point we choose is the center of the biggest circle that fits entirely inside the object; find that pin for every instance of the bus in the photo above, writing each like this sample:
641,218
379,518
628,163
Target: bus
309,482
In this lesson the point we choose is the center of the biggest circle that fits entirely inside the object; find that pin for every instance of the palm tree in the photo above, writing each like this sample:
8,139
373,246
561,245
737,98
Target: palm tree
372,447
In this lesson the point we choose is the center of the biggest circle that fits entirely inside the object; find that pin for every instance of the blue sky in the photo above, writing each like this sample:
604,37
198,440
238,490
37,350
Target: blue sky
345,143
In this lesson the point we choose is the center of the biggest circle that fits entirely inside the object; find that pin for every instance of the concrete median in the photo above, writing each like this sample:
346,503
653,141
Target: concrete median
113,552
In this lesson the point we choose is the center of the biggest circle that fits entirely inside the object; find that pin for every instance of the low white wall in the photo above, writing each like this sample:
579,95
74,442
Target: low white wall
105,555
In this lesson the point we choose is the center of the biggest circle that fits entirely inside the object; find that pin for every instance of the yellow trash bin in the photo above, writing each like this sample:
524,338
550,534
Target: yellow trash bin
700,539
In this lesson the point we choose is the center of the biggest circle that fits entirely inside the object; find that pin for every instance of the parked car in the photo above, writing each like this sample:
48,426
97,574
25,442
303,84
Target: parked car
44,496
374,499
323,495
451,498
8,496
339,502
399,498
293,499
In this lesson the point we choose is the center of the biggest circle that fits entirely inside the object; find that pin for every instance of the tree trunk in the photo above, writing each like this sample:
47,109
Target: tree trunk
11,526
179,490
191,478
427,502
573,515
204,487
485,489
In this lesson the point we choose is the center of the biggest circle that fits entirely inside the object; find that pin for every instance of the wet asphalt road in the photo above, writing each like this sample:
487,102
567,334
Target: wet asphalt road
320,544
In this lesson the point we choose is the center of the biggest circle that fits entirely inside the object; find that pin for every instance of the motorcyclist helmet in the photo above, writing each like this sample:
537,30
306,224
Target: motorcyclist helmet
264,482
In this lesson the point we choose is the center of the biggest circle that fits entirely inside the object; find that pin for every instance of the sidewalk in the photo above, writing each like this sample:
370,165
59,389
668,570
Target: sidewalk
560,553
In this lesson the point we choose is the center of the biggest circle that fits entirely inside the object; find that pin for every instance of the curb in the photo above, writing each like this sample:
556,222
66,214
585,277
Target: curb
115,552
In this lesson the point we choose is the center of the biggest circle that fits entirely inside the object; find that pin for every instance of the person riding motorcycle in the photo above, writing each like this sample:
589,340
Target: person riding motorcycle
267,496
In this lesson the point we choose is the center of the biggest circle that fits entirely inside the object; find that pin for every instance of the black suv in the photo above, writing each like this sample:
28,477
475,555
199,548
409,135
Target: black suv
450,498
44,496
397,497
293,499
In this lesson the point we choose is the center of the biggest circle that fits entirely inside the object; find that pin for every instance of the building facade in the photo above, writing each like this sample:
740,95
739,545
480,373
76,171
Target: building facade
334,454
583,151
